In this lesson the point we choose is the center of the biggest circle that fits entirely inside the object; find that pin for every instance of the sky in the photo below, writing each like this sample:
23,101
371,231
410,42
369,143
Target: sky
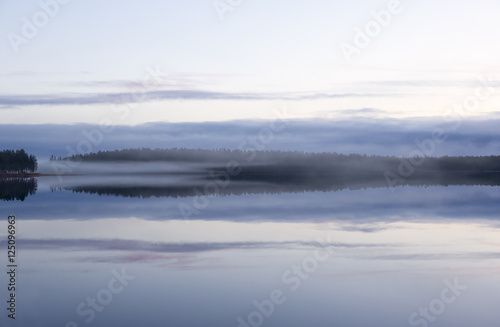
75,61
363,135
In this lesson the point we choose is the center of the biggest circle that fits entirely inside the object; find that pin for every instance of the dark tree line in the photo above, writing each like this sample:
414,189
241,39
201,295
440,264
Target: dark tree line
17,162
147,155
315,162
294,171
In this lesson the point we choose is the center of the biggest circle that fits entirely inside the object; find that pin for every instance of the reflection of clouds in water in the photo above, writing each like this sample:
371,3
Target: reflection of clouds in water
162,247
416,244
172,262
400,265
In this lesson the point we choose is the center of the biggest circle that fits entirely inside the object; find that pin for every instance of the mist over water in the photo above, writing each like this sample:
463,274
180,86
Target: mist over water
233,234
189,173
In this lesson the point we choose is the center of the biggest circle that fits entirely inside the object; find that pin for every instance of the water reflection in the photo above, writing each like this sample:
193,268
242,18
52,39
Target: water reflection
348,257
212,178
376,276
17,189
384,204
151,186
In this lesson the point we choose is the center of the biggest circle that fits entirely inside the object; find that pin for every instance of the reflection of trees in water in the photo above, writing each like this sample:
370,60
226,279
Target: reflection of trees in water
12,189
260,179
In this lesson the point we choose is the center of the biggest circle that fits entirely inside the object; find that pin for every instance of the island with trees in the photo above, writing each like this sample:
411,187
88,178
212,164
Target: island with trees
17,172
17,163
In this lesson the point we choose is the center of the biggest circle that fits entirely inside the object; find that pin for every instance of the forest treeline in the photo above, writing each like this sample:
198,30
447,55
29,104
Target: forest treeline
17,161
297,161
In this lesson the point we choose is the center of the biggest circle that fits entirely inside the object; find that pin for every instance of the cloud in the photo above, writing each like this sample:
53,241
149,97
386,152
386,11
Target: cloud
432,83
185,87
160,80
351,113
440,256
362,111
140,95
349,135
25,73
363,228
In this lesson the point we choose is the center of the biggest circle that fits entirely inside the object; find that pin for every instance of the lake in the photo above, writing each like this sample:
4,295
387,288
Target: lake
406,256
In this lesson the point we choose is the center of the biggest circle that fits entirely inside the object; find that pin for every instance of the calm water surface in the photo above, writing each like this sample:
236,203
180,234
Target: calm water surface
411,256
